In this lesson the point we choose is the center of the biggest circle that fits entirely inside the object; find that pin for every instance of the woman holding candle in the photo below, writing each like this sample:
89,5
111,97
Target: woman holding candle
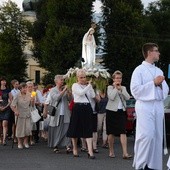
30,90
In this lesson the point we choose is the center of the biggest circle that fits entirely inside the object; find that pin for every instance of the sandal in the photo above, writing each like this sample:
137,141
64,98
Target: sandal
68,150
95,150
105,146
32,143
127,156
83,150
112,156
4,142
56,150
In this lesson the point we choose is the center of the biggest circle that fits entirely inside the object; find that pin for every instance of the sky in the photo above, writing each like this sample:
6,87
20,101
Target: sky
97,3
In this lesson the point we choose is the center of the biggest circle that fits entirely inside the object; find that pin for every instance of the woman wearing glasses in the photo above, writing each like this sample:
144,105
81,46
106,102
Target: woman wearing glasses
115,114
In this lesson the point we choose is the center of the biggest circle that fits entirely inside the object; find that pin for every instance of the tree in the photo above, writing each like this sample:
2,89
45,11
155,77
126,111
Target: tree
158,13
123,24
13,33
58,33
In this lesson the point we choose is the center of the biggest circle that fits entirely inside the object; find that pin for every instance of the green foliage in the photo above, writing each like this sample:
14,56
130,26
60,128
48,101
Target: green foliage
58,32
123,23
158,13
13,34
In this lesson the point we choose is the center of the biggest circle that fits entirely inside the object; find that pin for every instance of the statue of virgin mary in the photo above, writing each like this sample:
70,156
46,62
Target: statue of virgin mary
88,49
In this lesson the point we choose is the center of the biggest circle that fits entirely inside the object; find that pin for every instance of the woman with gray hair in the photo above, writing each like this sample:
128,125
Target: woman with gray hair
21,107
59,123
81,124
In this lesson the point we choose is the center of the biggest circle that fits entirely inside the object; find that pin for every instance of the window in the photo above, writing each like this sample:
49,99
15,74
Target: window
37,76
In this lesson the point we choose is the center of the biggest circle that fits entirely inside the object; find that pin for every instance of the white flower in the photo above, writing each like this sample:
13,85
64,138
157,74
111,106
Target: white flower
108,75
103,75
96,74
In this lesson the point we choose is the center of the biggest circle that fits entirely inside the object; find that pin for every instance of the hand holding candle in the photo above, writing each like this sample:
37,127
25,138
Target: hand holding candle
33,94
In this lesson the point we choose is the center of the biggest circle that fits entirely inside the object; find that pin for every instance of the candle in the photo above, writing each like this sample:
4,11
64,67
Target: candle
33,94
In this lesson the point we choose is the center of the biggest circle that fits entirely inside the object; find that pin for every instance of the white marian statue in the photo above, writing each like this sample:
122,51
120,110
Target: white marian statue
88,50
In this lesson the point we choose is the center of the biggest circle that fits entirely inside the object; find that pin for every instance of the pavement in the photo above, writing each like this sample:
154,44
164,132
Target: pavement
40,157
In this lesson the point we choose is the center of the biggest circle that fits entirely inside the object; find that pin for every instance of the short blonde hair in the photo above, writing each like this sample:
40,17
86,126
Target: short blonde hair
117,72
80,72
29,83
57,77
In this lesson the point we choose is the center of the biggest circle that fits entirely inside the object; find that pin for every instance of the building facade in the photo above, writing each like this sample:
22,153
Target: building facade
34,71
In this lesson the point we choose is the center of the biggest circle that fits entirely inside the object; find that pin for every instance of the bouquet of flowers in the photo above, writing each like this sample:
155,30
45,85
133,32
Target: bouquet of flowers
99,77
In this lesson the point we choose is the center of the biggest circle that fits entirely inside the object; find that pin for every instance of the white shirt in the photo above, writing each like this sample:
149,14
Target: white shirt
40,96
79,92
14,92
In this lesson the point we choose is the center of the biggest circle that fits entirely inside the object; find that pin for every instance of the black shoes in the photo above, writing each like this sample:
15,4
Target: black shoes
68,150
76,155
91,157
95,150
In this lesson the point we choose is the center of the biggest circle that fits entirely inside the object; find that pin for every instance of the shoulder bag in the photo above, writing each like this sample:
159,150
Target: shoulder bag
52,109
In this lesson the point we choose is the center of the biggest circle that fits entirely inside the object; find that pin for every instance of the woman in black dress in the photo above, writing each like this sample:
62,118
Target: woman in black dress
81,123
116,116
4,109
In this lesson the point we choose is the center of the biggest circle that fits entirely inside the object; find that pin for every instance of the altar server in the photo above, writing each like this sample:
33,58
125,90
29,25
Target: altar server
149,88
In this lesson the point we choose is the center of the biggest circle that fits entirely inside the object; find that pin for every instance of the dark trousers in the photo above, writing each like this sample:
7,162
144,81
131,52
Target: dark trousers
36,132
10,123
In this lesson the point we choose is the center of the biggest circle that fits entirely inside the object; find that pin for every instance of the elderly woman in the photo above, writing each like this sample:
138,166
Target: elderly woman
30,89
59,123
81,124
115,114
21,107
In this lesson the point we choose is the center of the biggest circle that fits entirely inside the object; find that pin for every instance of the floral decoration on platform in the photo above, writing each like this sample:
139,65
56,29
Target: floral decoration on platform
99,77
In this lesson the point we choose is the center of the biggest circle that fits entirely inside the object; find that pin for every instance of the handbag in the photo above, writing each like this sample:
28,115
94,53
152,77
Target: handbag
52,109
35,115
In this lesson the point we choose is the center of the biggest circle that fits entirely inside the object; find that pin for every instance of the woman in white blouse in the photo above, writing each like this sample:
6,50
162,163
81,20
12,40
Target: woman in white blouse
81,123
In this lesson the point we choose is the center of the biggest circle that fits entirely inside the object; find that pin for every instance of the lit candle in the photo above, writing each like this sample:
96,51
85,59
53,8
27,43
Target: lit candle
33,94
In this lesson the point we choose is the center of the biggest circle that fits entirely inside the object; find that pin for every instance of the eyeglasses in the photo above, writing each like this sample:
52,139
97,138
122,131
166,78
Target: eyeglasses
82,77
155,51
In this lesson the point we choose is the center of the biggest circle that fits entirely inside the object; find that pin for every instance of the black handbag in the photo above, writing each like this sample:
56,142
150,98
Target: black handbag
52,109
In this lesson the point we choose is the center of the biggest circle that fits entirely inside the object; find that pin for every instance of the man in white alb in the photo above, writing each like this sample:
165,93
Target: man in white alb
149,88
